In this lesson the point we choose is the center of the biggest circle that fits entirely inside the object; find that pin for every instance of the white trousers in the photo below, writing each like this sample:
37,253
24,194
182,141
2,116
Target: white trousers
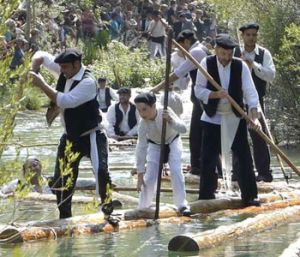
156,48
150,177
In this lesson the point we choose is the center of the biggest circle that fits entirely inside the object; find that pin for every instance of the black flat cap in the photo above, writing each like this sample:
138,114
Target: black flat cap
102,79
185,34
225,41
147,98
68,55
124,90
250,25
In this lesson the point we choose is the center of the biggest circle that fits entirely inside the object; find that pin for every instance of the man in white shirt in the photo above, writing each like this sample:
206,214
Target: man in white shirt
235,78
187,39
122,117
105,95
261,65
148,151
75,95
157,31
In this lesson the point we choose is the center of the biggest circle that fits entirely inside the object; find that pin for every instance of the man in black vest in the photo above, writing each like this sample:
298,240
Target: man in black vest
105,95
235,78
122,117
187,39
75,95
261,65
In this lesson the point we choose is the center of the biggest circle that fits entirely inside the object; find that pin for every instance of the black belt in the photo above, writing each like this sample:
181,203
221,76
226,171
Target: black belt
166,148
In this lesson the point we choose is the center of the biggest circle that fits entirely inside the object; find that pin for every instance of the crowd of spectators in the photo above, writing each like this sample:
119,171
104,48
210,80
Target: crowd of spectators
126,21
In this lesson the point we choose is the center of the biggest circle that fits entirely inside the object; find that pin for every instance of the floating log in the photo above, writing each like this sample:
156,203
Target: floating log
293,249
211,238
85,224
124,199
208,206
149,213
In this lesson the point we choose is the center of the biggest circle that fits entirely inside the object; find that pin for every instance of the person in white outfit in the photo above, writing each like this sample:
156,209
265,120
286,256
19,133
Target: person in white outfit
157,31
148,151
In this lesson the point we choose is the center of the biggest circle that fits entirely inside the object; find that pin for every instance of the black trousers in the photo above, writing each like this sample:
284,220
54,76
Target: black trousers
195,138
65,181
261,151
211,149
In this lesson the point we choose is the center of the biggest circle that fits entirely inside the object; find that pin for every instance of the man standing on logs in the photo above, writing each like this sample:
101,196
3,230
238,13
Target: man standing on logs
260,63
222,123
187,39
76,97
148,151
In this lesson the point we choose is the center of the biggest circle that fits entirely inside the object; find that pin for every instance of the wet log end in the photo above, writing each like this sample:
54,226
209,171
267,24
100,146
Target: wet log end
183,243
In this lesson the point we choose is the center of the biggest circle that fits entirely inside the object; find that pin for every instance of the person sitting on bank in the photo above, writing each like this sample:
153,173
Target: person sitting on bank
105,95
122,117
148,151
32,179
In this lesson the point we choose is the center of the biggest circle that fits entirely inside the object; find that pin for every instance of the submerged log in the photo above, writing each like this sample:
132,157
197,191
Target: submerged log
124,199
293,249
85,224
211,238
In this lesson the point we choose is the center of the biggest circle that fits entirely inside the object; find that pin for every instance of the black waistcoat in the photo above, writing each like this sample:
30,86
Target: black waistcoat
235,84
260,84
119,117
83,117
108,97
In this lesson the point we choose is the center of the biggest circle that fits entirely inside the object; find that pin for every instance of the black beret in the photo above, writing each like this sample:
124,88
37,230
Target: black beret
68,55
124,90
147,98
225,41
251,25
101,79
185,34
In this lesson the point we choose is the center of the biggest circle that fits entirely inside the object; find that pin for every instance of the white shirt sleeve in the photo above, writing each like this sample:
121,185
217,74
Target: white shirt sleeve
187,65
201,92
111,120
85,91
177,124
113,95
141,147
48,62
266,70
249,90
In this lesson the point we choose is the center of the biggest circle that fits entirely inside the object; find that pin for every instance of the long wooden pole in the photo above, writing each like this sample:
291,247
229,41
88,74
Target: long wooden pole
239,109
164,124
286,177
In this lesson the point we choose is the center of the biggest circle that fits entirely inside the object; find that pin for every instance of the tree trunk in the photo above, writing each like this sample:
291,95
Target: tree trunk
211,238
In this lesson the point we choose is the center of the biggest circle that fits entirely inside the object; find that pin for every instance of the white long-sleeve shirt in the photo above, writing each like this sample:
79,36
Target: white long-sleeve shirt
85,90
151,130
249,92
101,97
198,53
266,70
124,126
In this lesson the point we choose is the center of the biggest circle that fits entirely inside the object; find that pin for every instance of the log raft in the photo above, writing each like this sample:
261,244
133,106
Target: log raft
85,224
211,238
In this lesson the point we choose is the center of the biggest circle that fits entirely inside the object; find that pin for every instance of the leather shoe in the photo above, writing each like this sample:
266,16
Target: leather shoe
185,211
251,203
265,177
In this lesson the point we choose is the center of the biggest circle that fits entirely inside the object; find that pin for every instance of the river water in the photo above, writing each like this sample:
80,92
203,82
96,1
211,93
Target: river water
31,130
